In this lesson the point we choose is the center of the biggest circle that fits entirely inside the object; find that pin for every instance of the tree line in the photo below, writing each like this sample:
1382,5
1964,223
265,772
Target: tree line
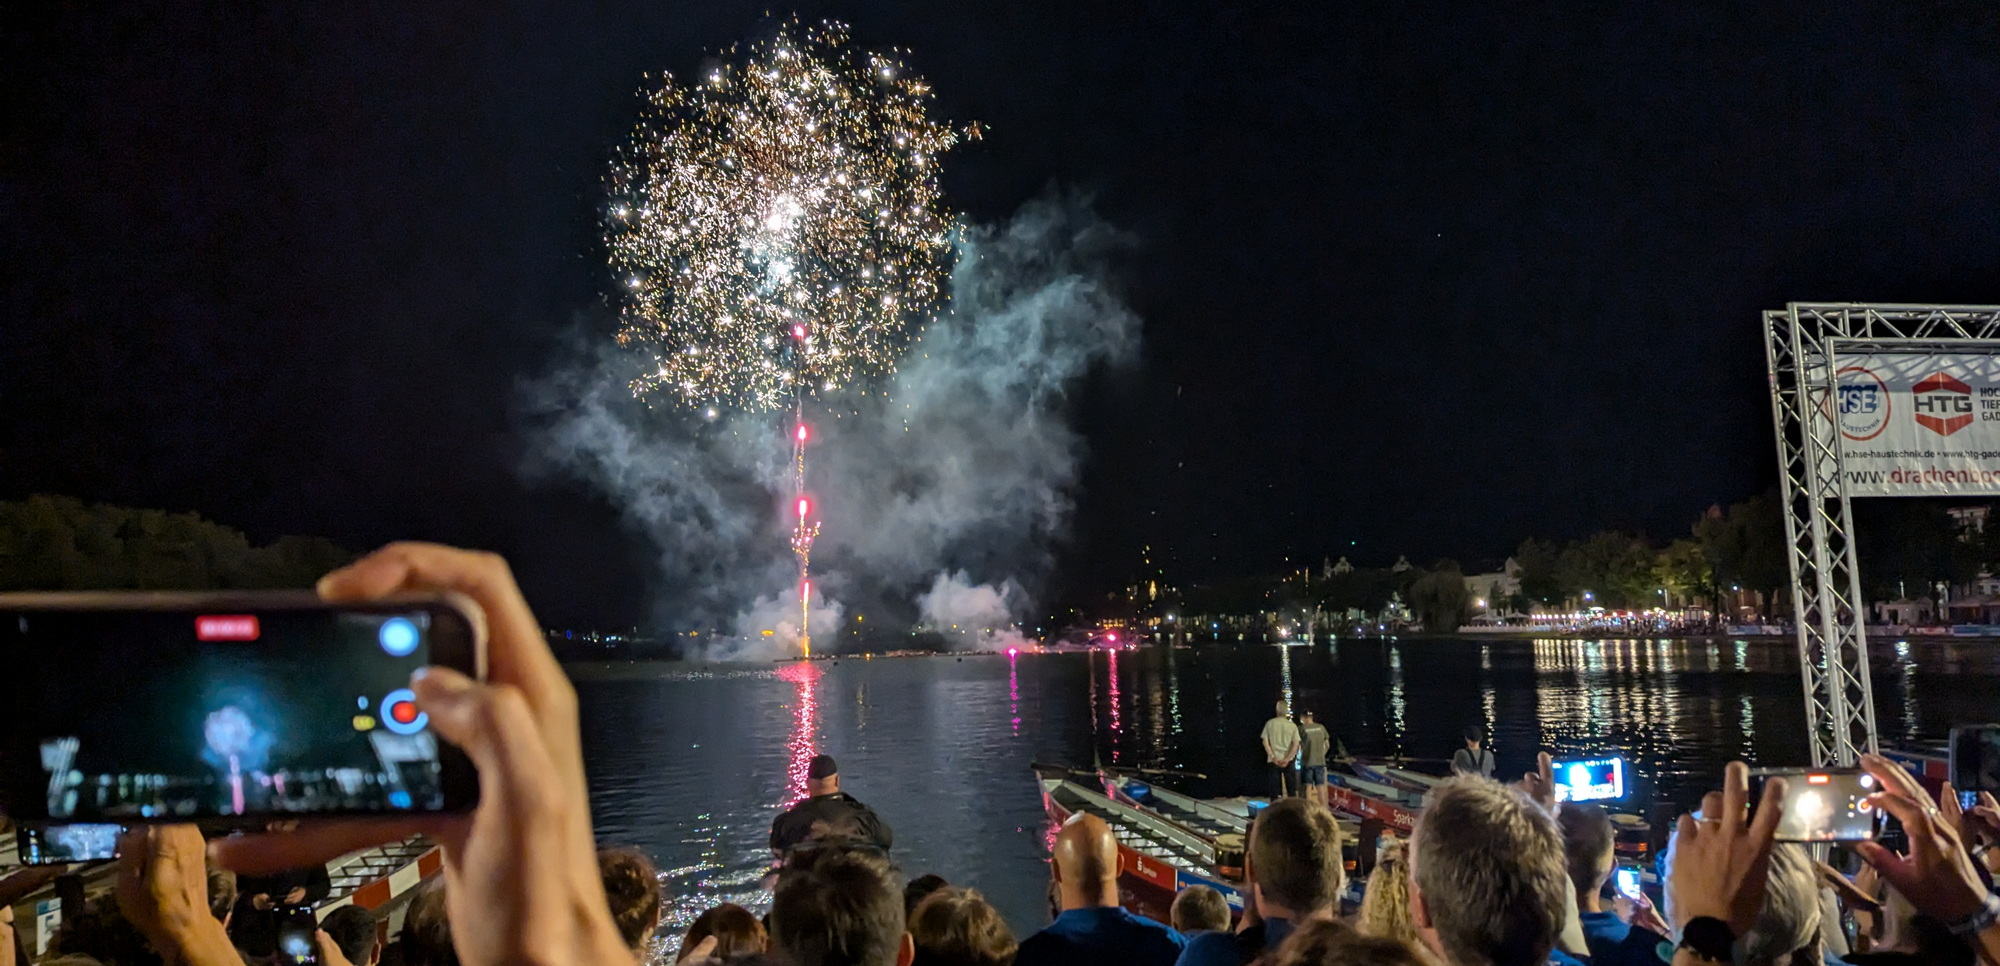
1907,548
63,543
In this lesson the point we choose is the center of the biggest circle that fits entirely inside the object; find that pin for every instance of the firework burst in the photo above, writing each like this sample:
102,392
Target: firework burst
775,226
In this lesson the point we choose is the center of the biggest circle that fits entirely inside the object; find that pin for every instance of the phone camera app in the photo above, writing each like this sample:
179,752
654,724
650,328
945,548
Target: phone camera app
398,636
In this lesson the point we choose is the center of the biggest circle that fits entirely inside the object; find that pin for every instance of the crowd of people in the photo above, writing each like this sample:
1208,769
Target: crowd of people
1493,874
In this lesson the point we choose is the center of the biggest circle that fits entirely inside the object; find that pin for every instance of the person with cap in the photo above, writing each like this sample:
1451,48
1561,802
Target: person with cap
1473,759
827,811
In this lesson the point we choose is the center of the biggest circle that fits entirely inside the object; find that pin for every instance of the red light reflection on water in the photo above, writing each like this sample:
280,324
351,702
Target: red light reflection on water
1014,688
1111,680
804,741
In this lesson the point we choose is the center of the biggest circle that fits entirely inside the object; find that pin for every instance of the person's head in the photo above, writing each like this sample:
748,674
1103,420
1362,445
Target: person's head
1199,907
822,775
1330,942
843,907
737,932
1283,710
633,886
1305,717
958,927
1385,904
1086,863
1789,920
221,894
426,936
1294,863
1925,939
1473,735
352,928
1487,883
100,932
920,887
1588,852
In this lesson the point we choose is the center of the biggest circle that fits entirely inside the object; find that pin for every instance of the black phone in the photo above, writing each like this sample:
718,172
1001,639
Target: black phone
64,844
1975,758
298,936
222,708
1821,804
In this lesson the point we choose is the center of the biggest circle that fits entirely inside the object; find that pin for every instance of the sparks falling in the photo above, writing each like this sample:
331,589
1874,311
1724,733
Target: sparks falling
776,225
776,231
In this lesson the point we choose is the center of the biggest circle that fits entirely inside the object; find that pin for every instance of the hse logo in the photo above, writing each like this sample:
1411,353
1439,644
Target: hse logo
1943,404
1863,401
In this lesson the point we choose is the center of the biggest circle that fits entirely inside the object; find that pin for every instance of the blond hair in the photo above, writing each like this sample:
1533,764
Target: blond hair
1385,905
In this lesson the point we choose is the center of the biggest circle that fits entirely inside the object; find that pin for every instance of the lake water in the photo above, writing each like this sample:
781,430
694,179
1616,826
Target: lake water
691,762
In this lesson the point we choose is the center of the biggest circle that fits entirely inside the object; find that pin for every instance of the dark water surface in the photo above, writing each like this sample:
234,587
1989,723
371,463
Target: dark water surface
691,762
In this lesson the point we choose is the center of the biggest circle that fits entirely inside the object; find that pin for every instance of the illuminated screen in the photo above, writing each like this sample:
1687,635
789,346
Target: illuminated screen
137,715
1589,780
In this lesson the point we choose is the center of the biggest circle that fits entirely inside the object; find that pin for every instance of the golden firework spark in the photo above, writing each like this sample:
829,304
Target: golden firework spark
775,226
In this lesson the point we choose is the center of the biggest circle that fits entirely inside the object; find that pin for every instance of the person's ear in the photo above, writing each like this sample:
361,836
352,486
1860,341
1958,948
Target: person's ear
1420,911
907,952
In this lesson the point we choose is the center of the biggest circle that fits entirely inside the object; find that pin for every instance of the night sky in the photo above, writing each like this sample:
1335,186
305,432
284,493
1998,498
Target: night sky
1427,278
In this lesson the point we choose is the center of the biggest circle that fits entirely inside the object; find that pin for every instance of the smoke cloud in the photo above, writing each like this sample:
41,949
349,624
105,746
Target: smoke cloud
942,490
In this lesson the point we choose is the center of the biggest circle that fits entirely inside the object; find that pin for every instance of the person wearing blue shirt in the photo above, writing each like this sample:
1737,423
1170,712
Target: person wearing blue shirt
1093,928
1293,872
1588,851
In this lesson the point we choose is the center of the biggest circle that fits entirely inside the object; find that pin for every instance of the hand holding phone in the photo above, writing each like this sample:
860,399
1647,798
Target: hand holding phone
135,707
1626,881
1822,805
1589,779
298,936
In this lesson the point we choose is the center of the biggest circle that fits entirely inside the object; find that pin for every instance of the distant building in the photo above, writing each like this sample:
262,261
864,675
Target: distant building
1491,591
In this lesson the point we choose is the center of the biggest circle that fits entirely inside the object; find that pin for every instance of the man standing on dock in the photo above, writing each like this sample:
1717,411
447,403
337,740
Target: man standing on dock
1472,759
1281,748
1313,743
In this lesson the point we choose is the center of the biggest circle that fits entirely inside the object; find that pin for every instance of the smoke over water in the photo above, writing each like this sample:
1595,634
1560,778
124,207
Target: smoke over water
942,490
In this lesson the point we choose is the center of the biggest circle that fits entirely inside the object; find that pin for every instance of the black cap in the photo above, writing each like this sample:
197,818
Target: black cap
821,766
1474,733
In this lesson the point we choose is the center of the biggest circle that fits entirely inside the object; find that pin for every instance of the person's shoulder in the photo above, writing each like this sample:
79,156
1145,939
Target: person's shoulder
1154,925
1042,947
1209,949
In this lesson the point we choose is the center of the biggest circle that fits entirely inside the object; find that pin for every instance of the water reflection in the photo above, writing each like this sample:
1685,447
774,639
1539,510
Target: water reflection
1111,686
804,741
1014,690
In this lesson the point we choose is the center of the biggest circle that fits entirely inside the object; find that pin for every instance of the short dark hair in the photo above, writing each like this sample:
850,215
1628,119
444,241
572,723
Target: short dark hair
1587,840
1474,733
1295,855
841,908
426,936
353,930
958,927
920,887
633,886
737,933
1327,942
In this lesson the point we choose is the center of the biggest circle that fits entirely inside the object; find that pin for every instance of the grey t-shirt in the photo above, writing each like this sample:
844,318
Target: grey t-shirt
1315,740
1462,763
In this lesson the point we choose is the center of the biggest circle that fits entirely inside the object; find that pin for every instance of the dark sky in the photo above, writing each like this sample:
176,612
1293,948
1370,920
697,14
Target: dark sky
1426,277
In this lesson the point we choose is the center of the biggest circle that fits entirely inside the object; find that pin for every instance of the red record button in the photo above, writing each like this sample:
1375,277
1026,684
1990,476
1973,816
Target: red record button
226,627
403,712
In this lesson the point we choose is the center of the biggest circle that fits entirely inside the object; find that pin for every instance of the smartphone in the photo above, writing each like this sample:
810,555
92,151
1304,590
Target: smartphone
133,707
298,936
1821,805
1589,779
1626,881
1975,758
64,844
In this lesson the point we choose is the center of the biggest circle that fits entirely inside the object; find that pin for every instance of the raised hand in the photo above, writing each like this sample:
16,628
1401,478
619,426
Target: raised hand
1937,876
1721,862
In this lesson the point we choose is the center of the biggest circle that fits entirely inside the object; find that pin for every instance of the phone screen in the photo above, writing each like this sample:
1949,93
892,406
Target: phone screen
1822,805
63,844
170,713
1628,883
298,936
1975,758
1589,779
